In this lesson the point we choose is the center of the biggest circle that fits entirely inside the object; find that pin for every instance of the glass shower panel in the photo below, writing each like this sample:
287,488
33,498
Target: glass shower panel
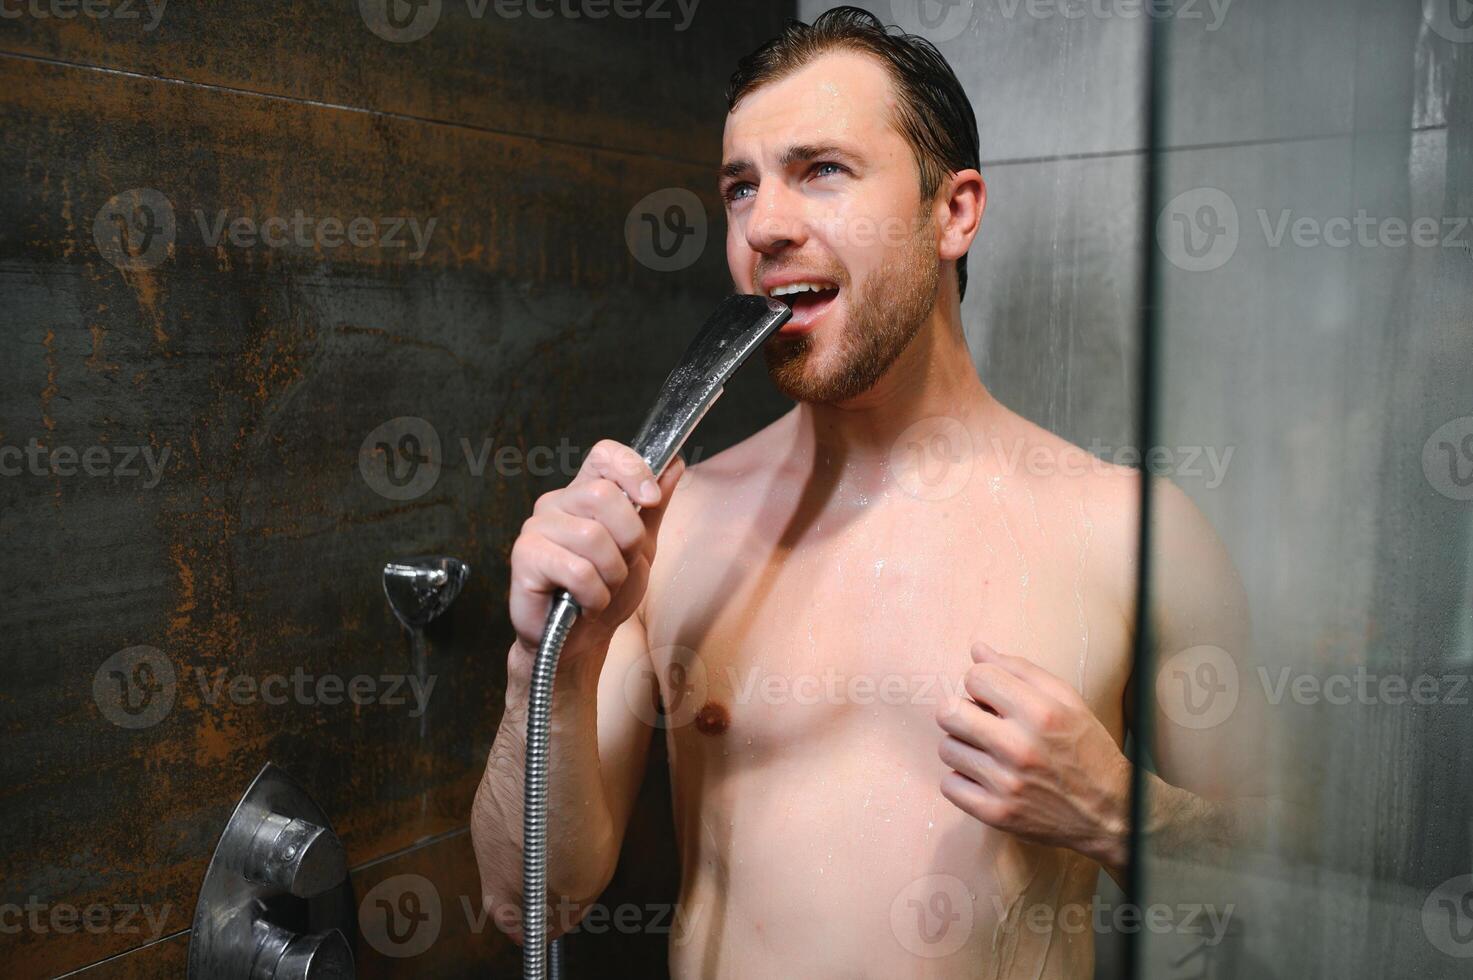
1308,804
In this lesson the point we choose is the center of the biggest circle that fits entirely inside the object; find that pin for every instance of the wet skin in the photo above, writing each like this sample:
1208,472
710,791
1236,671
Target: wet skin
831,615
889,635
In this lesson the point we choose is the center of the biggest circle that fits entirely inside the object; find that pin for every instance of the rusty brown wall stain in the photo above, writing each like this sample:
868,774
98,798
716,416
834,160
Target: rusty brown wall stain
261,371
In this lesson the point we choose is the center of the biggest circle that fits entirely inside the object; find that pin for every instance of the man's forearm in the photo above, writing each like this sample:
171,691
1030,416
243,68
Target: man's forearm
581,849
1178,822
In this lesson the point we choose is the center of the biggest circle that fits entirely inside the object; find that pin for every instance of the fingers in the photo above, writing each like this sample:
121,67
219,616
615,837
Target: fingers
994,687
605,501
976,765
988,733
601,501
591,538
625,468
587,539
542,567
971,798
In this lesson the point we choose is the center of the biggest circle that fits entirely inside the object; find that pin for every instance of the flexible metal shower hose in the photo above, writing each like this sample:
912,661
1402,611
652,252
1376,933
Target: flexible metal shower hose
535,956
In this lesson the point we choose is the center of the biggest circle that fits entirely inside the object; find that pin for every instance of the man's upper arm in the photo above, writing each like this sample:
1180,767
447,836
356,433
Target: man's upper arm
1207,727
623,735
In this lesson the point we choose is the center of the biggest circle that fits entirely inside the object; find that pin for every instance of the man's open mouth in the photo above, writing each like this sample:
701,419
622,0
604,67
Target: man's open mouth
807,300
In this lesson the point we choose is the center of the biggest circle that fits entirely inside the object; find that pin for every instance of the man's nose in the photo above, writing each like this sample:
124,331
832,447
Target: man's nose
777,220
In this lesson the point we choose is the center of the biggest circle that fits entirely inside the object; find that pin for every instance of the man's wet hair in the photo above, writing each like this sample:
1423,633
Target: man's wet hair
933,112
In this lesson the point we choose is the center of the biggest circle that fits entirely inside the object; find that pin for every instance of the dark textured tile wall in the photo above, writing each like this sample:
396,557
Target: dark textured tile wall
207,506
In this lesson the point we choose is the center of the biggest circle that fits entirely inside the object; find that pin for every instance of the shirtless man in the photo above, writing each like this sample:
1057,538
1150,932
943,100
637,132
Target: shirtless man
892,631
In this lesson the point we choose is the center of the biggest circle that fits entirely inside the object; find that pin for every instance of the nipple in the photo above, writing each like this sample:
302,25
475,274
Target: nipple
713,719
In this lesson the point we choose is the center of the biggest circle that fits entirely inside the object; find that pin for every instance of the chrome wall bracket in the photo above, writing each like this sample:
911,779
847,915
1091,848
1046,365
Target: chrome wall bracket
421,589
276,903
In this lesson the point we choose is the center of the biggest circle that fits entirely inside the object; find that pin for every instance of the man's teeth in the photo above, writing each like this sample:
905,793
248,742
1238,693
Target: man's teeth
799,287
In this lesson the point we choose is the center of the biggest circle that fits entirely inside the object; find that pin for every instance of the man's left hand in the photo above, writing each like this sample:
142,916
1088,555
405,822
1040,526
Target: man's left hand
1029,757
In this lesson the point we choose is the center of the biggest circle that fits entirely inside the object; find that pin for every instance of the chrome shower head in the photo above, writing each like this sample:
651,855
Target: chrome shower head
738,327
420,589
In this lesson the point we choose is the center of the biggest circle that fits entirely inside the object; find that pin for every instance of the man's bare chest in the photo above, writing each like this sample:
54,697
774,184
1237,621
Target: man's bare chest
761,641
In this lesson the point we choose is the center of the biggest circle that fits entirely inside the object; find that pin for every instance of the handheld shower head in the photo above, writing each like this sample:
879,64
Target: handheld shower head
737,328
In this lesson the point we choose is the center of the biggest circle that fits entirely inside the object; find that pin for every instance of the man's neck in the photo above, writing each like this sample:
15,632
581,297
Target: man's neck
850,443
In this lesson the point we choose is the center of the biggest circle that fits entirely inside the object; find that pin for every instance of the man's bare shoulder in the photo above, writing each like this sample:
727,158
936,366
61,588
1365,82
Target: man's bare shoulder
1066,474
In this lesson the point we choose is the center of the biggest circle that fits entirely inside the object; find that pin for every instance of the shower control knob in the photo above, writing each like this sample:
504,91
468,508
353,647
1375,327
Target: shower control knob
277,901
284,955
295,855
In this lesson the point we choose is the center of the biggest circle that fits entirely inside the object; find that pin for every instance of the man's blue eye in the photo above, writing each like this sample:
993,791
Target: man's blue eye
822,165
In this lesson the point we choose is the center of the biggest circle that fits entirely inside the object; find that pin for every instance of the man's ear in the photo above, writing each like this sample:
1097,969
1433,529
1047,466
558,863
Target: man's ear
961,213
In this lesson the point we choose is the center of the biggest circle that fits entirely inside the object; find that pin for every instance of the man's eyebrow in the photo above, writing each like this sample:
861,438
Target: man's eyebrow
797,153
733,168
804,152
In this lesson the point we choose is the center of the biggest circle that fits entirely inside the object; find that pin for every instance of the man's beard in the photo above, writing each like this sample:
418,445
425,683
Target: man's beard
880,325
